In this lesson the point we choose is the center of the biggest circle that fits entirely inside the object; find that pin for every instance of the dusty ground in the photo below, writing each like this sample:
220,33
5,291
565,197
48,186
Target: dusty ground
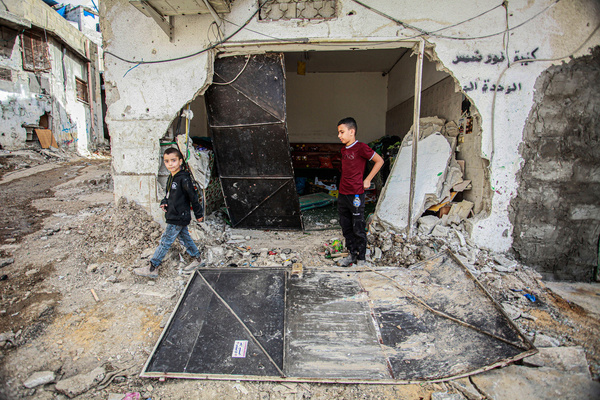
62,236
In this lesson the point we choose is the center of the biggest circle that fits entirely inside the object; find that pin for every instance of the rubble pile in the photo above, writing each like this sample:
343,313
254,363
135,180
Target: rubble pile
121,230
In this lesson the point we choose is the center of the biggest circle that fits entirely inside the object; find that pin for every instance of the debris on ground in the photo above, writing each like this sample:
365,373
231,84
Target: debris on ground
62,235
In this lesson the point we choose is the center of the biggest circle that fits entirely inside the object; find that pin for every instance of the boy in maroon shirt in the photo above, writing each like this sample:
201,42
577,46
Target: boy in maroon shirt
351,199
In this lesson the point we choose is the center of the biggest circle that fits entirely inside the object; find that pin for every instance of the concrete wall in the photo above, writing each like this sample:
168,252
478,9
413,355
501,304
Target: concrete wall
557,211
317,101
480,54
30,95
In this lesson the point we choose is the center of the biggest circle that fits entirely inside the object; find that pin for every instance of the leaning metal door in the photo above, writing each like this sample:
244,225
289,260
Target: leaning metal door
247,119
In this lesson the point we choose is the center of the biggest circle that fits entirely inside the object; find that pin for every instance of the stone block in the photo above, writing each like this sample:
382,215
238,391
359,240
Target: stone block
523,383
587,173
568,359
39,378
79,384
585,212
552,170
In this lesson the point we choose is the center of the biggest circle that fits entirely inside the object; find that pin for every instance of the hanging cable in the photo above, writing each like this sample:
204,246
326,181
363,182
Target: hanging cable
423,32
237,76
260,6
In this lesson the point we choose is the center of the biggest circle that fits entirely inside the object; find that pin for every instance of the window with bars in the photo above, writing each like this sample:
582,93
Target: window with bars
298,9
35,52
82,90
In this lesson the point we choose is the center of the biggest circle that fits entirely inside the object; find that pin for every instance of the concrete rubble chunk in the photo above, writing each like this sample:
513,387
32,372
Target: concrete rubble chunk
433,156
506,265
512,311
518,382
6,261
440,231
39,378
465,386
447,396
78,384
542,340
427,223
461,209
568,359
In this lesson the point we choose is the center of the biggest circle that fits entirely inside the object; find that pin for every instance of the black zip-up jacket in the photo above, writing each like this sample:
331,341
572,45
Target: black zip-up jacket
180,194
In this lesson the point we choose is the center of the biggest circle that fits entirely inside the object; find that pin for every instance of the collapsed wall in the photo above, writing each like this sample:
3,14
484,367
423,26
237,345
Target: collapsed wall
556,214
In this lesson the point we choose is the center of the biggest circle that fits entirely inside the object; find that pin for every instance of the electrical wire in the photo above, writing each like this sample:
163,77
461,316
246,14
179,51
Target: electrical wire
260,6
422,32
237,76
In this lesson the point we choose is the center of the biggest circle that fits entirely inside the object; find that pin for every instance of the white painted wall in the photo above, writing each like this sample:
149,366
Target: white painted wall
401,83
316,102
145,99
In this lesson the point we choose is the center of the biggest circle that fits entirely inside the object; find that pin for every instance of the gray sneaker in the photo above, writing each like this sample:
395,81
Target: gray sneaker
347,261
363,263
146,272
194,265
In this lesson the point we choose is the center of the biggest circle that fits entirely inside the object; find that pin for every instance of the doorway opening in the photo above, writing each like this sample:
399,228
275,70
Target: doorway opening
376,87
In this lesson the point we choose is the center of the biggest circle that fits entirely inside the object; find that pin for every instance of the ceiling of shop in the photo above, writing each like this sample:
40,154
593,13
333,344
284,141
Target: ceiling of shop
346,61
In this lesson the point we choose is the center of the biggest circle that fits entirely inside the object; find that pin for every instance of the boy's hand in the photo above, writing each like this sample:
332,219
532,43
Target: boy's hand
164,207
200,219
366,184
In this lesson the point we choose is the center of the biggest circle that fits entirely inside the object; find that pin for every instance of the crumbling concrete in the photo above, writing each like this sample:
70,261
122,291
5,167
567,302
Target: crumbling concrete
433,156
556,214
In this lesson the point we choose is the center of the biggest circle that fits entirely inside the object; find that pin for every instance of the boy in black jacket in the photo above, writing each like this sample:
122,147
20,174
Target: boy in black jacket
176,204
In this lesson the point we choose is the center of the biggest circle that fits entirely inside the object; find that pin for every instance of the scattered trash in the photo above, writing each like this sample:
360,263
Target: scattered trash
530,297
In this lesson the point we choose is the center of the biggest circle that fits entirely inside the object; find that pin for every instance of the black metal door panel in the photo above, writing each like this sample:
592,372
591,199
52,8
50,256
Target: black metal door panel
246,114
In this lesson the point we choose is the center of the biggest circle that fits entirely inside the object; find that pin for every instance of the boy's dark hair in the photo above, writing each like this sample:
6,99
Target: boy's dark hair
350,124
172,150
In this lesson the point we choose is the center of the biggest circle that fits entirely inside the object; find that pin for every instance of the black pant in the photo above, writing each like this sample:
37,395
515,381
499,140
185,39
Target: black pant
352,221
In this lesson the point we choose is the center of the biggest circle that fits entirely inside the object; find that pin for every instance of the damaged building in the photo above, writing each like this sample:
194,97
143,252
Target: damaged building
50,87
509,91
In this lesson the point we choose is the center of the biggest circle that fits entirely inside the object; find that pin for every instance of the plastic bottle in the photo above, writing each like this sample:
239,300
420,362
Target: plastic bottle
356,201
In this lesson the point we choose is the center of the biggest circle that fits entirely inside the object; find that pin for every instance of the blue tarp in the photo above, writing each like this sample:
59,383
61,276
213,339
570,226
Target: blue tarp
89,14
61,11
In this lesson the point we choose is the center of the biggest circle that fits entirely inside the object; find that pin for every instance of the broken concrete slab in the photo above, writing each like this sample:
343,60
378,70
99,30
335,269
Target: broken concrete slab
427,223
567,359
39,378
542,340
447,396
465,386
461,209
585,295
6,261
517,382
433,156
78,384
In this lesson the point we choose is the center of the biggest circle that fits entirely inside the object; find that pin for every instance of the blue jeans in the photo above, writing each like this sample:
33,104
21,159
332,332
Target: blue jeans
171,233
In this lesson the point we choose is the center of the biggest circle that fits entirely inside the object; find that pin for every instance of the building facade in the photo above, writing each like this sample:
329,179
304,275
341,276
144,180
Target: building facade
488,63
50,79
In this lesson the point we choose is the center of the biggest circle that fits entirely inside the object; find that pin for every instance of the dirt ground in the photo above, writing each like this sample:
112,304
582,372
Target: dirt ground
64,240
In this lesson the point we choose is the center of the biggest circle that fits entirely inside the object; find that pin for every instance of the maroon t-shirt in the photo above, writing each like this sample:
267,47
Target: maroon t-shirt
354,158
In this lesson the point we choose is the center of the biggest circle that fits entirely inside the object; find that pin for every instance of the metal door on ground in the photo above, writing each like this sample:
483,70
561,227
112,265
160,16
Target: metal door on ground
247,119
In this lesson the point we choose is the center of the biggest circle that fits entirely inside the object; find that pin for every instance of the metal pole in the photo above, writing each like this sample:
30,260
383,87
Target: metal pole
416,135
